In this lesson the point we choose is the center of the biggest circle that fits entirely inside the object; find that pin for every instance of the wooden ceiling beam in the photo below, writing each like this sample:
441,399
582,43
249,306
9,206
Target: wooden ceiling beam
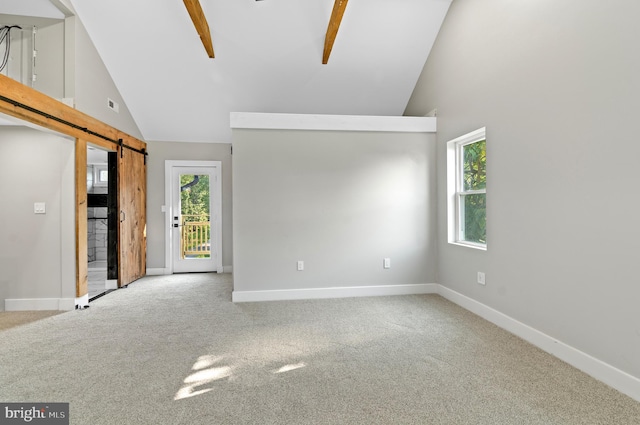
200,22
332,30
25,103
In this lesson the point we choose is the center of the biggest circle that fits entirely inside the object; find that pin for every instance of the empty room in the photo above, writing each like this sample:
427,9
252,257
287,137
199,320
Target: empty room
319,212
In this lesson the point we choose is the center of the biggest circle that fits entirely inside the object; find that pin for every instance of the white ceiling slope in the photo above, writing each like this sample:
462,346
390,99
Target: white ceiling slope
268,59
37,8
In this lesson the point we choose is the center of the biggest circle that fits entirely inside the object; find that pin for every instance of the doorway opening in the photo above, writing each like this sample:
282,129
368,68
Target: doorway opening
102,267
194,225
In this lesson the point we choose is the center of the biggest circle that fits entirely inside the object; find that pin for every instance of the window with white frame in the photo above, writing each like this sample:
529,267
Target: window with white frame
467,189
100,175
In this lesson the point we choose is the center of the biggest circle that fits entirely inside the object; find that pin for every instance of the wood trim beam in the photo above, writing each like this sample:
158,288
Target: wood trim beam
82,281
200,22
31,102
332,29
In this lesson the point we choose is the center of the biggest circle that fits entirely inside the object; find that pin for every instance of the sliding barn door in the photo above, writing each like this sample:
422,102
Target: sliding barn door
132,186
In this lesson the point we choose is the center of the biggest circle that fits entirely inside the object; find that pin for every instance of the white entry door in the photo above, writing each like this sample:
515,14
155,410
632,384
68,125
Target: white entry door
195,216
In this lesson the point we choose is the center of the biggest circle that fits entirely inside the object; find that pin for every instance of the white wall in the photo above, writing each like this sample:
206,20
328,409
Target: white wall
69,66
556,84
37,251
159,152
341,201
49,61
92,83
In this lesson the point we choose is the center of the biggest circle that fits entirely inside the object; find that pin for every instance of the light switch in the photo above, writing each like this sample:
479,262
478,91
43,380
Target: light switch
39,208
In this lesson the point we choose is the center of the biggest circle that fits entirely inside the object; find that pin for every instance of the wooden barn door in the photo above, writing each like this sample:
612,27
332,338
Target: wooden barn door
132,187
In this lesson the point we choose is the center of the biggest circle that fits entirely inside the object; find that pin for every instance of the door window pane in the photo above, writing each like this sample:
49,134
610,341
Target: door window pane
195,217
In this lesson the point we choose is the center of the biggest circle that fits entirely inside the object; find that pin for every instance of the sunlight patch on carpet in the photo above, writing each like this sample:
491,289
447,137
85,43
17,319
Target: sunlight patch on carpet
290,367
206,373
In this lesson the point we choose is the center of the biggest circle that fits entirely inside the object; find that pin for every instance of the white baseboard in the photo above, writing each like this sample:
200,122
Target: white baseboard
82,301
165,271
110,284
336,292
621,381
158,272
26,304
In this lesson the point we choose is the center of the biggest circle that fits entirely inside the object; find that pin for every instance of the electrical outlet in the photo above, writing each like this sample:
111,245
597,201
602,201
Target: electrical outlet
386,263
39,208
300,266
481,280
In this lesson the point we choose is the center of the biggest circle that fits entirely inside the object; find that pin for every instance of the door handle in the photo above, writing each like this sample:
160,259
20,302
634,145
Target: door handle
122,216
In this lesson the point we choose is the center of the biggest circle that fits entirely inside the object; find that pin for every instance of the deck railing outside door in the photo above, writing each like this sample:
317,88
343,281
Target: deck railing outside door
196,236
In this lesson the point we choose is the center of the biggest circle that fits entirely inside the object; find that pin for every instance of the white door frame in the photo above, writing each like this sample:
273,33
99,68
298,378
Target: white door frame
217,213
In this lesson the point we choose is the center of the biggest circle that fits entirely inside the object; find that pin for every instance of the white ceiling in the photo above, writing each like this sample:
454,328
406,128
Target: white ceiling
96,155
268,59
37,8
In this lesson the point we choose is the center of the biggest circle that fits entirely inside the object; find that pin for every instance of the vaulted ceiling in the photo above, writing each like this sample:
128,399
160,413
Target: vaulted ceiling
268,58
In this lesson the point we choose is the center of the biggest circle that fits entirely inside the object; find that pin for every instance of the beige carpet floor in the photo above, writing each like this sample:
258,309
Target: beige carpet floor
10,319
175,350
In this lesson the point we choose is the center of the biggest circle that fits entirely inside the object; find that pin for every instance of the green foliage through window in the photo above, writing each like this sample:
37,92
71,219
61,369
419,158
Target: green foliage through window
474,160
194,199
473,197
475,218
194,208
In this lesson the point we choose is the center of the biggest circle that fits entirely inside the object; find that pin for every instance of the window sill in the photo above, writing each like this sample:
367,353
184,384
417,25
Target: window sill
470,245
